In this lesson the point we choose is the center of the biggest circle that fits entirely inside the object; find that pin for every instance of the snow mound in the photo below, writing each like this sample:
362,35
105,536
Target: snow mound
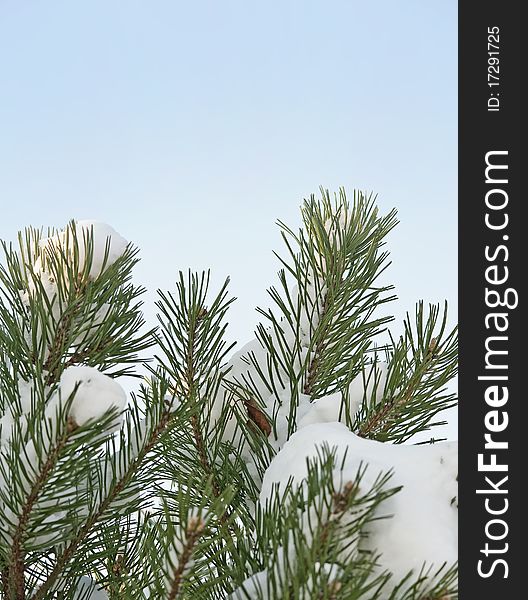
367,386
422,528
96,393
108,245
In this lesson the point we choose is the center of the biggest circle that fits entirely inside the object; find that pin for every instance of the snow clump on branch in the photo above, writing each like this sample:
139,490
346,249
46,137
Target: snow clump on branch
107,245
95,394
421,524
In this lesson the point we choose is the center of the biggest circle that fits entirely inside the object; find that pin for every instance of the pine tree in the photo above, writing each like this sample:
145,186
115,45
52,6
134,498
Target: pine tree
287,470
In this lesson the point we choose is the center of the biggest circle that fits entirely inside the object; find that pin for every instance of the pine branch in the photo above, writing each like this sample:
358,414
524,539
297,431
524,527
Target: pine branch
63,332
118,570
16,569
68,552
15,572
314,522
379,422
428,584
202,433
193,532
424,360
191,387
313,374
320,331
192,341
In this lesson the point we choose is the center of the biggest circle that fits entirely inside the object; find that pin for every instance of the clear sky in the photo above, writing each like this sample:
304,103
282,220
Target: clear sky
192,126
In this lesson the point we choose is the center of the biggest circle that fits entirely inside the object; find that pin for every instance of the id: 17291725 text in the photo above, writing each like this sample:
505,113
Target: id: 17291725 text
494,69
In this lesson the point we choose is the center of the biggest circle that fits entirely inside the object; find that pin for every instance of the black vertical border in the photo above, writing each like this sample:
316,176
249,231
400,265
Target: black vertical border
481,131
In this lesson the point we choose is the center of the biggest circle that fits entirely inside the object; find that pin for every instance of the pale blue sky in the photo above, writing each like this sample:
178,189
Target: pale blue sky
192,126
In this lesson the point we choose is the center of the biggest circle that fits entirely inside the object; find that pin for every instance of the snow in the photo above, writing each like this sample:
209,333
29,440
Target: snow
240,367
87,589
241,371
42,532
47,284
326,409
368,386
104,236
83,590
277,404
282,412
94,320
107,244
44,286
6,428
26,394
96,394
423,526
17,412
310,313
338,223
254,587
172,403
330,572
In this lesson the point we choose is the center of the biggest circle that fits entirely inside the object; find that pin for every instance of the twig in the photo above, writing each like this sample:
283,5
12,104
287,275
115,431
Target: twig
192,534
381,417
191,384
15,571
69,551
319,348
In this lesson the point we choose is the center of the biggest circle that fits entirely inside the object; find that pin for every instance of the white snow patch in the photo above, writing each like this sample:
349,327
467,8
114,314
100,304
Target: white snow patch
325,410
84,586
423,526
107,244
254,587
6,428
257,587
338,223
331,572
368,386
96,394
